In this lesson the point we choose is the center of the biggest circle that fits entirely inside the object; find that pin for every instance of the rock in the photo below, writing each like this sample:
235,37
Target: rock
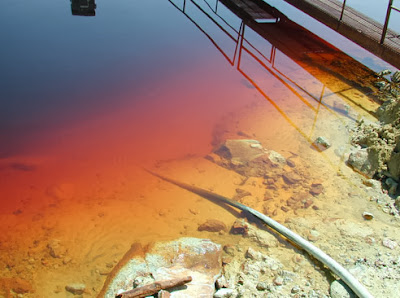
397,203
262,286
263,238
367,215
359,161
240,227
276,158
295,290
163,294
394,165
76,289
229,249
223,293
252,254
291,178
268,196
248,157
389,243
198,258
392,185
17,285
308,203
316,189
56,250
221,282
313,235
212,225
321,144
240,150
241,193
142,280
291,163
339,289
214,158
278,281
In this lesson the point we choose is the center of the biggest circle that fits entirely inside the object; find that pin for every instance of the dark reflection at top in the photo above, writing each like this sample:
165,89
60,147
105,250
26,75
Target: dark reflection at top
83,8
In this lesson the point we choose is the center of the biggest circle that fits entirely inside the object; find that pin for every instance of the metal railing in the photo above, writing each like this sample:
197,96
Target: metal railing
386,24
389,10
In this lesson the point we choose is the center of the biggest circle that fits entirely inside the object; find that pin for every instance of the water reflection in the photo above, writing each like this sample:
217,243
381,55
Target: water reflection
83,8
272,51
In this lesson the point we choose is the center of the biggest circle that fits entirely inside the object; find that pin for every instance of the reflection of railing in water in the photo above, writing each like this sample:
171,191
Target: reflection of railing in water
267,63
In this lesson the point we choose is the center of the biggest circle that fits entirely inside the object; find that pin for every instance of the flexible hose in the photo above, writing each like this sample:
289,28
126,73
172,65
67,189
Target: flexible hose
339,270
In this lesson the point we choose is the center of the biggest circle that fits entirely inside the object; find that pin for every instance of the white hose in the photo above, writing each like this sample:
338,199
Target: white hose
339,270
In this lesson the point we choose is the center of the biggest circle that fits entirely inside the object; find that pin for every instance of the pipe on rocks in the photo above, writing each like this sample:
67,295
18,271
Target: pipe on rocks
334,266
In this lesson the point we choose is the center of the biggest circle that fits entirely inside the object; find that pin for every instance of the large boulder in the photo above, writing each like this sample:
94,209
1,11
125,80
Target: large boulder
198,258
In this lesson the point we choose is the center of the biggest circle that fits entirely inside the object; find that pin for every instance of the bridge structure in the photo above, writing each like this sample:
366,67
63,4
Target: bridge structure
361,29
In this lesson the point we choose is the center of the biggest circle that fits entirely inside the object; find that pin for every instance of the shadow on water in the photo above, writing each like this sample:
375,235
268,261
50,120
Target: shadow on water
287,43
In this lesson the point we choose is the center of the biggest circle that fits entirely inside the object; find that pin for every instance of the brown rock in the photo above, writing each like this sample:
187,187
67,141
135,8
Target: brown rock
22,286
164,294
316,189
291,178
290,163
17,285
291,202
269,181
268,195
229,249
284,209
212,225
240,227
56,250
240,193
308,203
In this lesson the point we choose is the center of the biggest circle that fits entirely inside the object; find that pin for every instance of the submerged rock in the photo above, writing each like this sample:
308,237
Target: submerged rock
321,143
76,289
248,157
212,225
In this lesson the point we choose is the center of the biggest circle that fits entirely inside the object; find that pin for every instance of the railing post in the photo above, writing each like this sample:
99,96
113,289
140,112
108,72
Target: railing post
389,9
342,13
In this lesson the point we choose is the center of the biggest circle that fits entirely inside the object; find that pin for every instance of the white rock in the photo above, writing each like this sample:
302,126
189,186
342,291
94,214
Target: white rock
389,243
339,289
221,293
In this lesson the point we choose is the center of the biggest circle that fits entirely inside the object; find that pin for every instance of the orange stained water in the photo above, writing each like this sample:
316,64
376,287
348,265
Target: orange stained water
74,195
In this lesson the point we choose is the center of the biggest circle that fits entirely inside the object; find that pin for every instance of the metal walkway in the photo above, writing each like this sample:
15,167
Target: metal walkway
364,31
